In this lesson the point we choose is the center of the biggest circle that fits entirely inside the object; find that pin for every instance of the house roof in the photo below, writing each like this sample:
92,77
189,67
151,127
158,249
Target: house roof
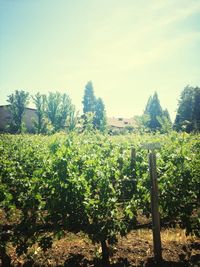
111,121
2,106
120,122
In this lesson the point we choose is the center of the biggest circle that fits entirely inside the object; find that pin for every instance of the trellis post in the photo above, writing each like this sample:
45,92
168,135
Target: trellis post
133,162
154,201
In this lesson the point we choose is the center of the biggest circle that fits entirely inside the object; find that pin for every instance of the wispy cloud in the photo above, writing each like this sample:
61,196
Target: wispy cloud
145,40
114,43
180,13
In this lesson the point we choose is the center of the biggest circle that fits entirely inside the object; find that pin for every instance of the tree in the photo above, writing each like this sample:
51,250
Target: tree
89,99
188,113
100,115
40,102
165,122
153,109
18,102
148,105
196,109
94,106
166,114
142,122
72,119
58,109
184,112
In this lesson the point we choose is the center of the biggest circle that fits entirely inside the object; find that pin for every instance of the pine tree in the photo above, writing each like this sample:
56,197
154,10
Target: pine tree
188,113
166,114
154,110
100,115
148,105
93,108
89,99
196,109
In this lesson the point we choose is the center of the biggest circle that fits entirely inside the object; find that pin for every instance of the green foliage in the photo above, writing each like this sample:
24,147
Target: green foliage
154,118
55,112
58,109
72,119
89,182
142,123
154,110
93,106
179,182
88,119
188,114
40,104
196,109
100,115
165,122
89,99
18,102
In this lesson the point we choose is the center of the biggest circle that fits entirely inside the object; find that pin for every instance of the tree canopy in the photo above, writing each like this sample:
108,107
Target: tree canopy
89,99
40,104
58,109
100,115
157,118
188,113
18,102
93,107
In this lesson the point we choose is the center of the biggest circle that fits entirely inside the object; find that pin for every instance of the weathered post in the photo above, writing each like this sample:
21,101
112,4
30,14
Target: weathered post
154,201
120,159
154,208
133,162
133,185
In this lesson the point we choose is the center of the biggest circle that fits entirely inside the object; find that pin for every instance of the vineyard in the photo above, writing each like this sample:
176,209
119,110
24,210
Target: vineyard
93,184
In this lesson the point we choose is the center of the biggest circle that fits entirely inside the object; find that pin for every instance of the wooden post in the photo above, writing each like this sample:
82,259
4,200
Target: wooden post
154,200
120,159
154,208
133,163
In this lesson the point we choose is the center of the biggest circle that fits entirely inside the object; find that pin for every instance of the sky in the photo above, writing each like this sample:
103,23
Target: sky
128,49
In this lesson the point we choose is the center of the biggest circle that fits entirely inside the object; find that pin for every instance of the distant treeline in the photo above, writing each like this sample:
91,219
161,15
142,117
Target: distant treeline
187,117
55,112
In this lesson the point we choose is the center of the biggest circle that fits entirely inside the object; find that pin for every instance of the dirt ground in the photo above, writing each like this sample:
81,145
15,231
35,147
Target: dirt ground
134,250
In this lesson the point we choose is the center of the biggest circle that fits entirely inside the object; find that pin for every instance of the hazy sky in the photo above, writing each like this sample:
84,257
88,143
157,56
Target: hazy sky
127,48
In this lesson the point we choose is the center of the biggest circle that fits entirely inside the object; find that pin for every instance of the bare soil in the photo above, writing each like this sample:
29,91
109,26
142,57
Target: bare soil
134,250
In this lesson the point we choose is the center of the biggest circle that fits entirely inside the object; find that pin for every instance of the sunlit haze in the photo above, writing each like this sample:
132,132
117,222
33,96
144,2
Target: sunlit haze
128,49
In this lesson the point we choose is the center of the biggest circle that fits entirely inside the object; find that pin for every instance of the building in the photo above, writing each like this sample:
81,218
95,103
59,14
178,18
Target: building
120,123
30,115
28,118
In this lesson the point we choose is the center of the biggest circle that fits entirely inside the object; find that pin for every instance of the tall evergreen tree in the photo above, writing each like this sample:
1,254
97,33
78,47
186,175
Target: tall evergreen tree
166,115
196,109
188,113
18,102
154,110
93,108
89,99
100,115
148,105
